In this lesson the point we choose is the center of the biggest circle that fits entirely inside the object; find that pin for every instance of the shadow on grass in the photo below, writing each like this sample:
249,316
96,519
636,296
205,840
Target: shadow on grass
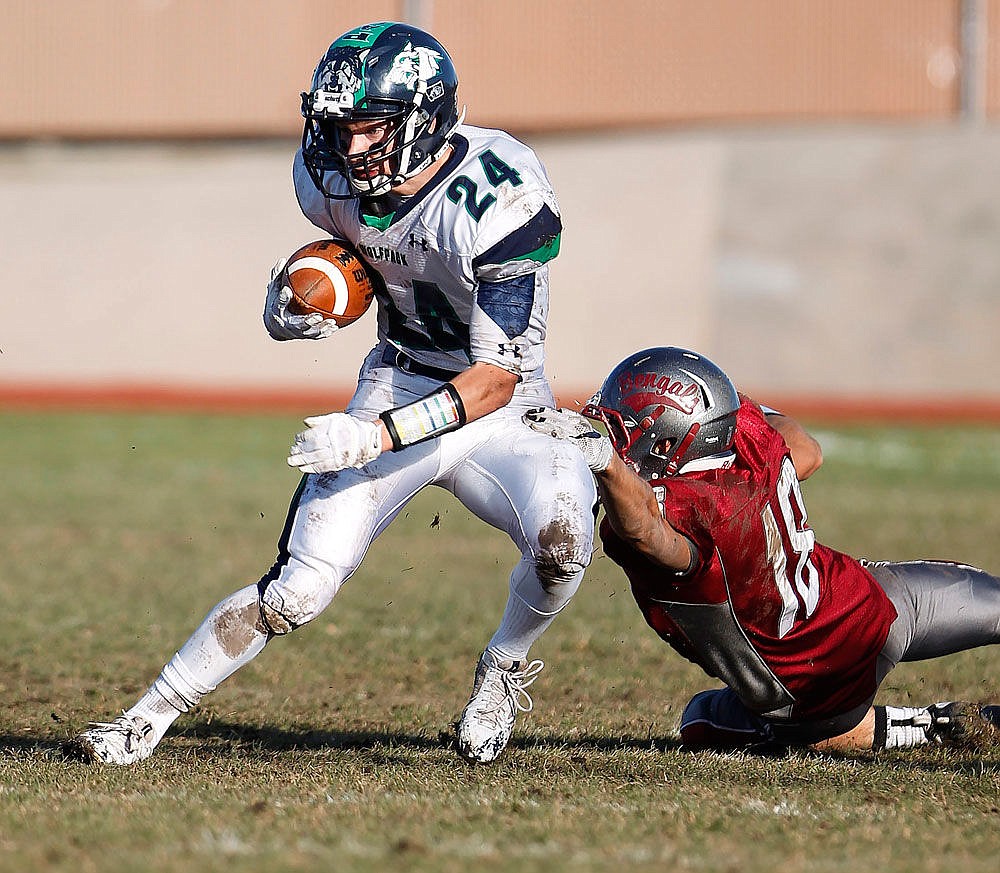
211,735
216,736
24,744
283,739
382,741
970,765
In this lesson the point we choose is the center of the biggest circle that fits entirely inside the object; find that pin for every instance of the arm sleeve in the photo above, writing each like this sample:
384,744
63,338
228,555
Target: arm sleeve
508,322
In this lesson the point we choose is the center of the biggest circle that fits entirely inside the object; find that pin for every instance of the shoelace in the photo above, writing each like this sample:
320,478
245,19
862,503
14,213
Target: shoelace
124,721
129,725
512,687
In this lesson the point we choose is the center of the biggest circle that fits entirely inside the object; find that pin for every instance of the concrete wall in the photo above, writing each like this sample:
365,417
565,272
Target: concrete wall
843,261
841,241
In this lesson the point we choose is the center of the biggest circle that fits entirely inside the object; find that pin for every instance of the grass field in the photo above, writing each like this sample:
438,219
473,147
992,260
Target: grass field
330,752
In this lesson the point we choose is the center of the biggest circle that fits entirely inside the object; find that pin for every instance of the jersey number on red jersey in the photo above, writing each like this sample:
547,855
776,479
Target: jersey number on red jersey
790,541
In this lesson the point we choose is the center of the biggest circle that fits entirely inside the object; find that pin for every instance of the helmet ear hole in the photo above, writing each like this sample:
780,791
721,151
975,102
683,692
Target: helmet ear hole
618,431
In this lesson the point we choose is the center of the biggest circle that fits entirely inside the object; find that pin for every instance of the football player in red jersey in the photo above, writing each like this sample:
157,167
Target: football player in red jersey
700,488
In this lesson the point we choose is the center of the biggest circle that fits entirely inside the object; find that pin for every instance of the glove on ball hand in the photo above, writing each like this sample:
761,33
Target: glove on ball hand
334,442
284,325
563,424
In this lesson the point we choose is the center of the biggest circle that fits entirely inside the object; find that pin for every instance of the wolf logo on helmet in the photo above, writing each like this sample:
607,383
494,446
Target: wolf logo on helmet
386,72
413,66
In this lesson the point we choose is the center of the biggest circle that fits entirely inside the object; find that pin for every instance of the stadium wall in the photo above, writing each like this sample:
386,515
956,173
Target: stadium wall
844,264
233,68
806,191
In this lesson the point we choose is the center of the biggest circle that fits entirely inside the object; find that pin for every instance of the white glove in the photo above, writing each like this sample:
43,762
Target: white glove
284,325
334,442
563,424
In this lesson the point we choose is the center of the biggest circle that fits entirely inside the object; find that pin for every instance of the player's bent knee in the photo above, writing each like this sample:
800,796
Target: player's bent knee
295,598
274,620
283,612
562,555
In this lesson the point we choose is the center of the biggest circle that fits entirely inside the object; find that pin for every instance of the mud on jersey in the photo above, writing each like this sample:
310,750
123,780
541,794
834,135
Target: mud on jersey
463,260
792,626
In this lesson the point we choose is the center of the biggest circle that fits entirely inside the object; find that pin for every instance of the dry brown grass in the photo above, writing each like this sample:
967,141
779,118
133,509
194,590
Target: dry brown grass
331,750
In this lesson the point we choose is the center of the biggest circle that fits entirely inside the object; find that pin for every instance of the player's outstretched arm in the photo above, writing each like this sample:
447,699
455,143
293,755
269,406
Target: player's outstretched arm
633,512
807,454
628,500
340,440
473,393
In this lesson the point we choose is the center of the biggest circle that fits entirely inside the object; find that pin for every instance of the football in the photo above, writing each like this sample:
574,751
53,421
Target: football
327,278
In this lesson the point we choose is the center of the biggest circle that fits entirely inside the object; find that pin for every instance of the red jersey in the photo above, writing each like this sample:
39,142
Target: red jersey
793,627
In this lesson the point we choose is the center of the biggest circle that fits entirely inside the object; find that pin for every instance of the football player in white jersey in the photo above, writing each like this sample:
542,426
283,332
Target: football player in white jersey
459,222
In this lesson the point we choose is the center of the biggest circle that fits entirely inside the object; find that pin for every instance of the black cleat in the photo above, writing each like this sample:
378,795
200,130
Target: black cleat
963,725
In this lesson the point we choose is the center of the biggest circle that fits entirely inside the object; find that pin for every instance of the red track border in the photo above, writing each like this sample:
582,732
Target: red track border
142,397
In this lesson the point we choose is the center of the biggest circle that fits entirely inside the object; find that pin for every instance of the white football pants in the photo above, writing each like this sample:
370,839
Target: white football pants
537,489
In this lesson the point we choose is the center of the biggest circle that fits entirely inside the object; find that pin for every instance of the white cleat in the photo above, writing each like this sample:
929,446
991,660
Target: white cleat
126,740
498,694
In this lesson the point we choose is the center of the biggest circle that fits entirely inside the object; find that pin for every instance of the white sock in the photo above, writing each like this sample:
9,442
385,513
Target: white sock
228,638
530,610
901,727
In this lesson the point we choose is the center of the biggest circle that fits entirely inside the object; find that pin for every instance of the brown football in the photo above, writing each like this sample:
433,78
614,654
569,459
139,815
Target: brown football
327,278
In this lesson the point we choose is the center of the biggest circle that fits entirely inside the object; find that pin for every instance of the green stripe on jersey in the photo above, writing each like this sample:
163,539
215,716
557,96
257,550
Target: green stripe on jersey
378,222
545,252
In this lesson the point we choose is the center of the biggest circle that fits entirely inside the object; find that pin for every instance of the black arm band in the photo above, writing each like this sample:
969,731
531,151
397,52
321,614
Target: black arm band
692,560
430,416
881,732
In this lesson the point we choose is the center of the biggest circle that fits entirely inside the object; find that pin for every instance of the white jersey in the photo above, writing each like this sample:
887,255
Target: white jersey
488,216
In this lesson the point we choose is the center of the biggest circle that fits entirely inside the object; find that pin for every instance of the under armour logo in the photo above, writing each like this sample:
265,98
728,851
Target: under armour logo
414,242
512,349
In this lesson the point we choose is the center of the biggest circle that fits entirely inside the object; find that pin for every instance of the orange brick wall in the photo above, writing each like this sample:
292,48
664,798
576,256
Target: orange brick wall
234,68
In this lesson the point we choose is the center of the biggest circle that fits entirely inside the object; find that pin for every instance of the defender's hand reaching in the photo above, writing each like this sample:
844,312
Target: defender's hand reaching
564,424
